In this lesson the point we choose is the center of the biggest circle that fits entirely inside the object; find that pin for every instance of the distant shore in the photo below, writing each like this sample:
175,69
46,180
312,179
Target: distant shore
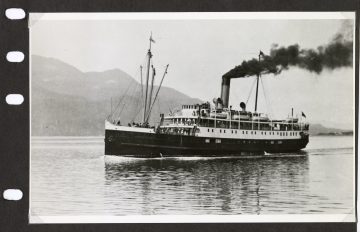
347,133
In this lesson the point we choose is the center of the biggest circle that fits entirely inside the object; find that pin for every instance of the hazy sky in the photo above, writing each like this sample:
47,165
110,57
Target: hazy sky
201,51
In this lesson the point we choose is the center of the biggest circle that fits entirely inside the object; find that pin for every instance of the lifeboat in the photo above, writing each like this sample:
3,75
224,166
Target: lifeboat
241,117
260,118
292,120
221,115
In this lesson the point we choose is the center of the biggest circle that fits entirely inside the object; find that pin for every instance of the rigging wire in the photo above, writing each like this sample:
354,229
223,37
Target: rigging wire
251,90
132,95
120,105
157,92
267,100
115,114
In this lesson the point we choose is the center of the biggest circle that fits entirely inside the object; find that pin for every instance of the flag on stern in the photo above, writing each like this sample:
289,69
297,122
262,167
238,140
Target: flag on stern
302,114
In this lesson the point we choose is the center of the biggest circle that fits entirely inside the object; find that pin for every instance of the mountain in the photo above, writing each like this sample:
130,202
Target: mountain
66,101
318,129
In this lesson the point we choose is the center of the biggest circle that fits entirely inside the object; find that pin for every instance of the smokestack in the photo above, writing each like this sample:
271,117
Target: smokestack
225,91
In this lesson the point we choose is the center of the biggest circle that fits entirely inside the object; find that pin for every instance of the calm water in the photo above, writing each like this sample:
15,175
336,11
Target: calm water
71,176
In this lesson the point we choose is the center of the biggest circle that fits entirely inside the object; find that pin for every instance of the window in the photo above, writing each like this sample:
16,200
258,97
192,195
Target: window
246,132
207,140
208,130
212,130
218,141
220,131
243,132
265,133
279,142
224,131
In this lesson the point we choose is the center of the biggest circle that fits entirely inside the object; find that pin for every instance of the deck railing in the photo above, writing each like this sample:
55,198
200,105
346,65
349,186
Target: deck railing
244,124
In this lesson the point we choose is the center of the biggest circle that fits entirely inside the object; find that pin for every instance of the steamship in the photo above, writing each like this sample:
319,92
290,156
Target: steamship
204,129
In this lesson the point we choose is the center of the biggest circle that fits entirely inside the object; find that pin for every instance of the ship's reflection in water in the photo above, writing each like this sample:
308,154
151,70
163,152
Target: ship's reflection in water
260,185
72,177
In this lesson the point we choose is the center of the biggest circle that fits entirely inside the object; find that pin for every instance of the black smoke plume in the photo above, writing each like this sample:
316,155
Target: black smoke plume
338,53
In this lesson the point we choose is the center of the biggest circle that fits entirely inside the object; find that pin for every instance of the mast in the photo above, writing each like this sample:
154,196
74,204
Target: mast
141,82
147,76
157,92
292,118
257,84
151,92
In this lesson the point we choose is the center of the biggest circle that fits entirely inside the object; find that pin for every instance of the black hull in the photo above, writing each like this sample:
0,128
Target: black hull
137,144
